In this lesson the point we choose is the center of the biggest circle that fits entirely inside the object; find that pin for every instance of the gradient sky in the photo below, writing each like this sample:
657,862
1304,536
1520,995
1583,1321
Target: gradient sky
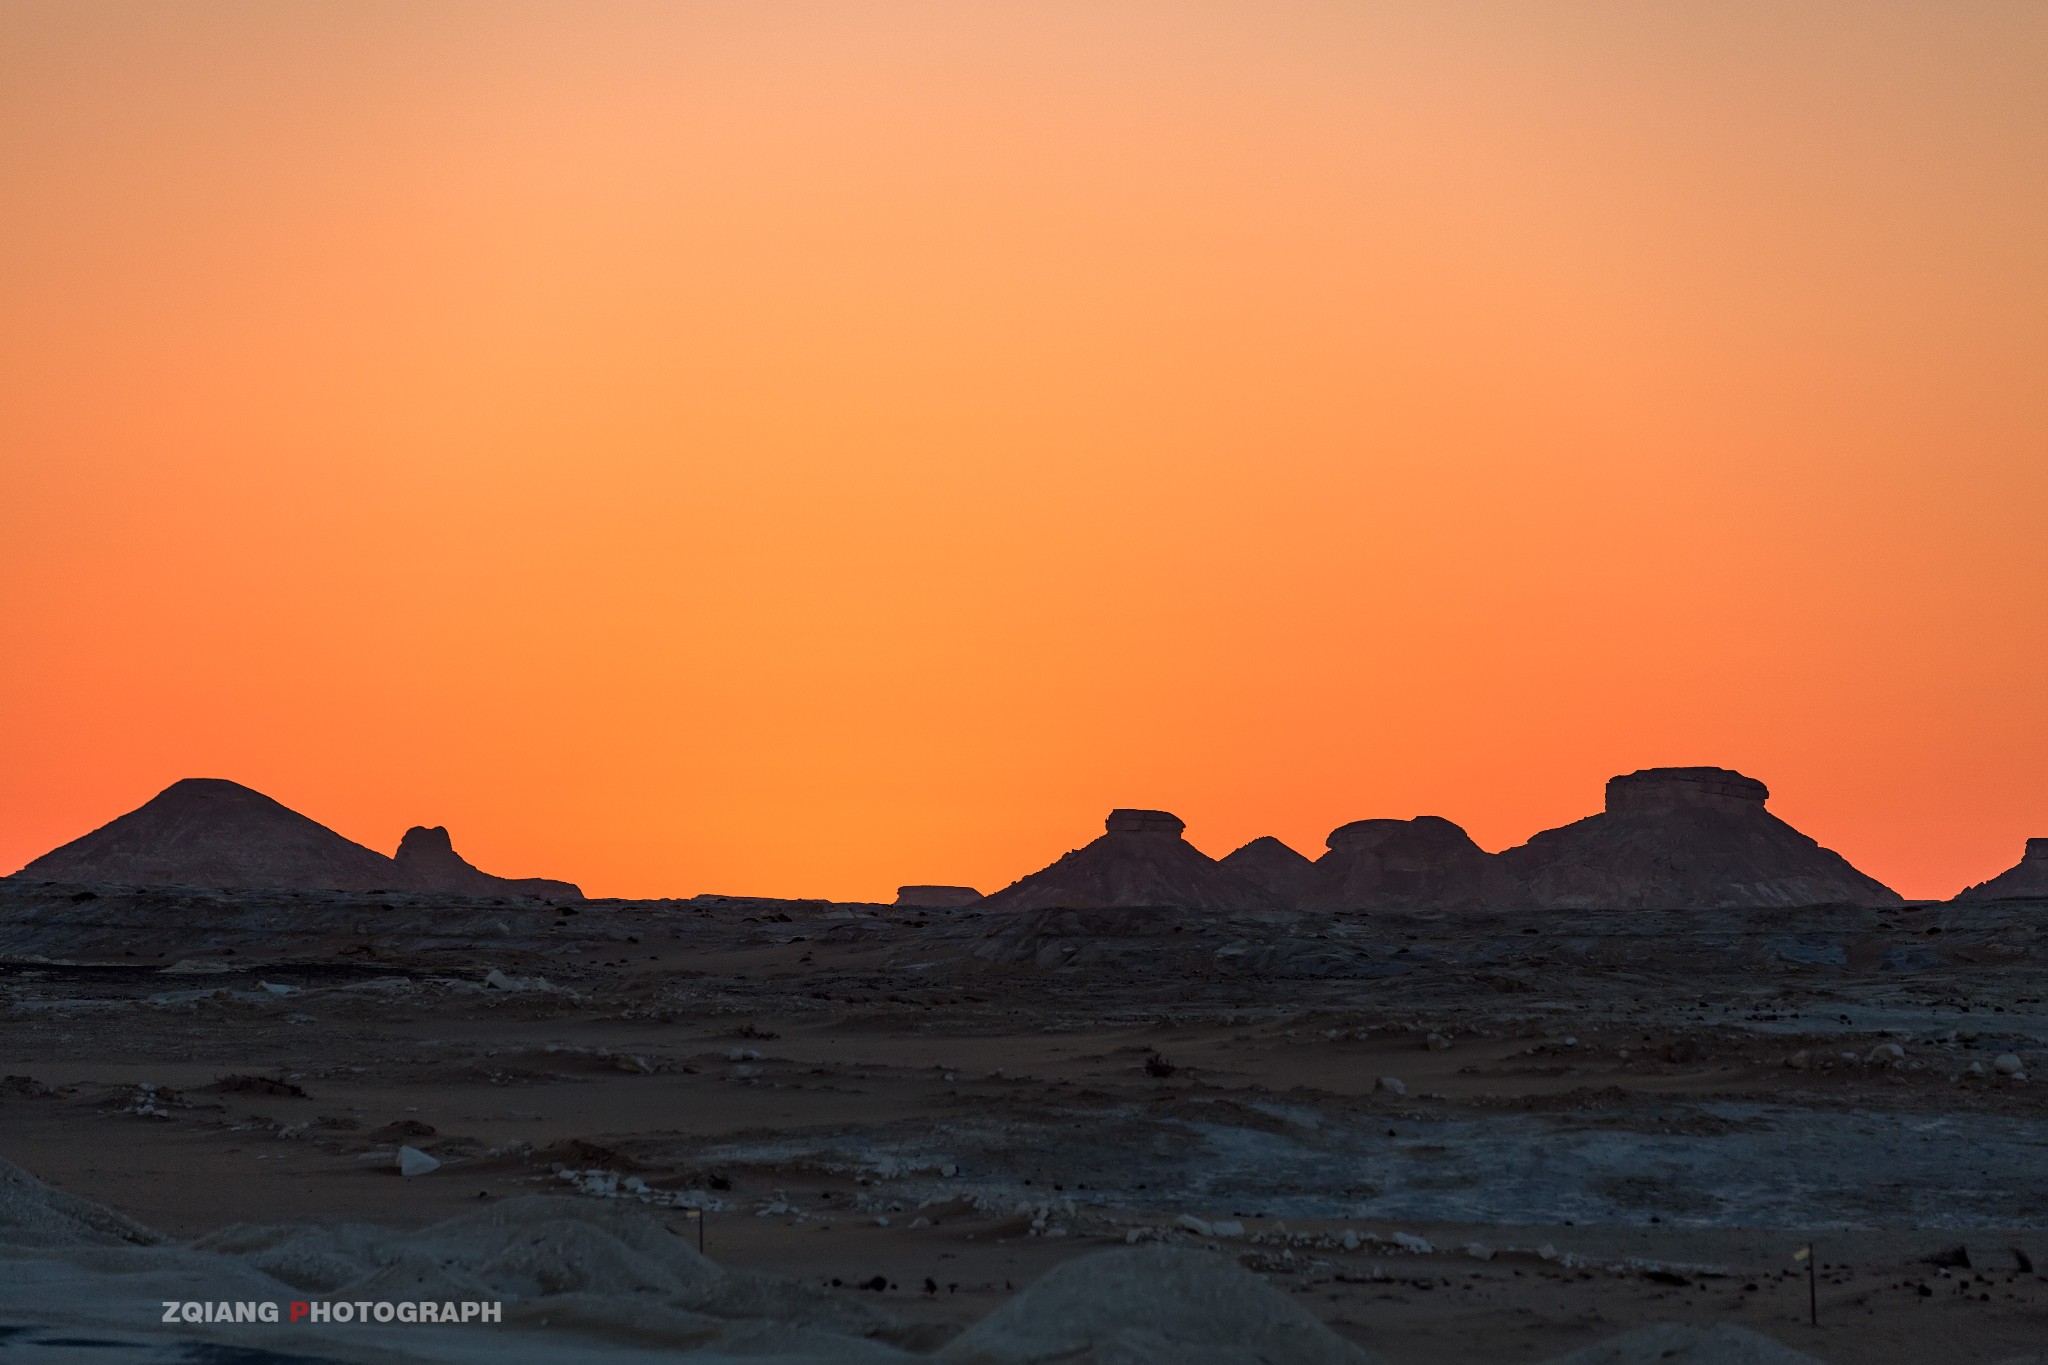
803,448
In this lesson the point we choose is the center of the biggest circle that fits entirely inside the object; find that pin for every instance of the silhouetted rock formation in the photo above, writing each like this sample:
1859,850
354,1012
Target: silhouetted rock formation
1424,863
1140,861
1691,838
936,897
2026,881
427,861
1267,862
205,831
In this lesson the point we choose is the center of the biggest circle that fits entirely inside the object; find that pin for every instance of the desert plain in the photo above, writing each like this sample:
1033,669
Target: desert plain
1451,1136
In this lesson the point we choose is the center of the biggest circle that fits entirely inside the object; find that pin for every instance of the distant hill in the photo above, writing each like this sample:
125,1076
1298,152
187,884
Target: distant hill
428,861
206,831
1268,862
1424,863
1140,860
1685,838
2026,880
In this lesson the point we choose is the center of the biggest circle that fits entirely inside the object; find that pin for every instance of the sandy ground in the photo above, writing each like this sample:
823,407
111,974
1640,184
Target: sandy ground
1587,1135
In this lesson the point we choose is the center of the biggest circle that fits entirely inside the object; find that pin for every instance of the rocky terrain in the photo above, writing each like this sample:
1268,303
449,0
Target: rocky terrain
1446,1136
1583,1102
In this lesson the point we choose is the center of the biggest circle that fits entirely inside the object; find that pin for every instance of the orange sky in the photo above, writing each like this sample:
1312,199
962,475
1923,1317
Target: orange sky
802,448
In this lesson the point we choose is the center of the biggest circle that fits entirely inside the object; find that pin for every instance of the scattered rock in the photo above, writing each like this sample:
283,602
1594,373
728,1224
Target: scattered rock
1392,1085
413,1161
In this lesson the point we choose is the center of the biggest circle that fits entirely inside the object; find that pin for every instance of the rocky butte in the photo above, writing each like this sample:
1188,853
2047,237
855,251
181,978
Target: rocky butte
2028,880
1140,860
427,861
1684,838
1424,863
206,831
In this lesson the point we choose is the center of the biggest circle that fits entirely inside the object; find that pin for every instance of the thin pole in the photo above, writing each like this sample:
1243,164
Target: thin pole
1812,1286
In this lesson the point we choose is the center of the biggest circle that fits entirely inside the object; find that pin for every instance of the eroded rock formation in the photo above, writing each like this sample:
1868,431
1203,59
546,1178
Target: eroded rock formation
1267,862
427,861
206,831
2028,880
1694,838
1140,860
1424,863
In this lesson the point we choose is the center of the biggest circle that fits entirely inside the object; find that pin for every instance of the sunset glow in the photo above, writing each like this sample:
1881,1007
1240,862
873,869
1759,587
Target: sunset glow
798,449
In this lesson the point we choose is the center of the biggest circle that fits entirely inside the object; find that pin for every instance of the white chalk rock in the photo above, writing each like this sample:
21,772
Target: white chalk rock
1199,1226
1393,1085
413,1161
2008,1064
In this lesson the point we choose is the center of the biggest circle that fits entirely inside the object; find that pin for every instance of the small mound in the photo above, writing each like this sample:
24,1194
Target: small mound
1672,1343
1151,1306
34,1215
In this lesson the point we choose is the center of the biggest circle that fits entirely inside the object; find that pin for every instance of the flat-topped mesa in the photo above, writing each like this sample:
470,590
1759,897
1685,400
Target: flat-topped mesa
1384,864
1139,861
1684,839
1665,789
936,897
427,861
2026,880
1126,821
